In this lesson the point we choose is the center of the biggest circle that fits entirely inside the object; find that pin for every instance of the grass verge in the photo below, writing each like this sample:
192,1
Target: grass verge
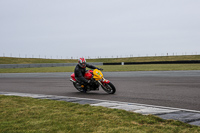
109,68
22,114
11,60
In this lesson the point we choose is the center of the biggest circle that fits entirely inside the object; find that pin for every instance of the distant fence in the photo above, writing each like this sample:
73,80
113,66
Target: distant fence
43,65
42,56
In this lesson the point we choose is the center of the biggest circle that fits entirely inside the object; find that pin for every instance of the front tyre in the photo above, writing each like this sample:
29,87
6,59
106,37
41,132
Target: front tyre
109,88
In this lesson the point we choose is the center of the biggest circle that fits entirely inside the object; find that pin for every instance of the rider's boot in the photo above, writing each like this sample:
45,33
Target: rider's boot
84,89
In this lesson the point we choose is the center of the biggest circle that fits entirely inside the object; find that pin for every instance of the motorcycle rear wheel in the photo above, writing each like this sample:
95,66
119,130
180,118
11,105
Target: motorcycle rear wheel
109,88
78,87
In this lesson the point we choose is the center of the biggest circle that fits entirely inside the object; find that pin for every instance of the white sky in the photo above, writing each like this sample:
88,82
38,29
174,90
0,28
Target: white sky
82,28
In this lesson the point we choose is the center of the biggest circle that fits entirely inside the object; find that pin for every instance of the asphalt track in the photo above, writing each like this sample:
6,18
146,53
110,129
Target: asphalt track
177,89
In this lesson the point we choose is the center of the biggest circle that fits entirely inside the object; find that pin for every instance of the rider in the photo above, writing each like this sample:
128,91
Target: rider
80,70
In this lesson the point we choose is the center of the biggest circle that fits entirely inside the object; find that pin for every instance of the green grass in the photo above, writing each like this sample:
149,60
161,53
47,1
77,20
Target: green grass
10,60
21,114
109,68
149,59
147,67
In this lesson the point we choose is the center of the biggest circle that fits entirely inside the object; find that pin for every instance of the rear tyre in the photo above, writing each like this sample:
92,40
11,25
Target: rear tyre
109,88
78,87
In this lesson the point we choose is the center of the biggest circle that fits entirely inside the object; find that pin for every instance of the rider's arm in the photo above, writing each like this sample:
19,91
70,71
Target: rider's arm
92,67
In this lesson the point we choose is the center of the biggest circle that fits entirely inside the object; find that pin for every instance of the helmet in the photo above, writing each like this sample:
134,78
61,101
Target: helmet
82,62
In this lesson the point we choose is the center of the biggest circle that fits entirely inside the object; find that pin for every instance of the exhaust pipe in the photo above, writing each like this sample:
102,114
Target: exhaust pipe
72,81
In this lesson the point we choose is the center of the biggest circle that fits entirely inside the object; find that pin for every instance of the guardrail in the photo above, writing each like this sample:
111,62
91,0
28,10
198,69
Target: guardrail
154,62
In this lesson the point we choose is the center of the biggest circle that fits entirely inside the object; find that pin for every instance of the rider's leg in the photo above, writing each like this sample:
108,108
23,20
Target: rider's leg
83,85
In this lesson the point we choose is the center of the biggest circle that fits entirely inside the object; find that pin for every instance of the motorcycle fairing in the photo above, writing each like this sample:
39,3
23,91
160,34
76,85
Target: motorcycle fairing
97,74
105,81
88,75
73,76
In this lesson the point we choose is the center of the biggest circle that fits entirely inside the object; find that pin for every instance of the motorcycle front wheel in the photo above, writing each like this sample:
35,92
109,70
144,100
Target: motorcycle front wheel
109,88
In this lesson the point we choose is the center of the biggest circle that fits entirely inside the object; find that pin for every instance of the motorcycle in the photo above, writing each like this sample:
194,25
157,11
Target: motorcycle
96,80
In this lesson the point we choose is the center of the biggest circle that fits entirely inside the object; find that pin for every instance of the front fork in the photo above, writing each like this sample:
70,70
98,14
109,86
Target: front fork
100,83
103,81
